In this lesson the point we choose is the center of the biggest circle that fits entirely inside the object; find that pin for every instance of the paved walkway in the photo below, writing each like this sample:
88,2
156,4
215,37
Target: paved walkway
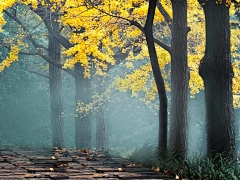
52,163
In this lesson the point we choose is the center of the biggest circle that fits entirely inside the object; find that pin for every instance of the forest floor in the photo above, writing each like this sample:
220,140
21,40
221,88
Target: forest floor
54,163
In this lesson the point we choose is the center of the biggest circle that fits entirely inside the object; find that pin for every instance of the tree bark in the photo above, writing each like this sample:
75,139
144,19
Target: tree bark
56,90
179,79
101,127
162,139
83,132
216,71
204,140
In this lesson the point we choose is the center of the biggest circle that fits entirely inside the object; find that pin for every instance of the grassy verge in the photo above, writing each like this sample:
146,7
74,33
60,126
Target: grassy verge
195,168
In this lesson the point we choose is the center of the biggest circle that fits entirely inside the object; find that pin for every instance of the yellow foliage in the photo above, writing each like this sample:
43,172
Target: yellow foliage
13,56
108,29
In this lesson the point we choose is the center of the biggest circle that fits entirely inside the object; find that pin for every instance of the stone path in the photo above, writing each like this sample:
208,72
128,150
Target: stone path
53,163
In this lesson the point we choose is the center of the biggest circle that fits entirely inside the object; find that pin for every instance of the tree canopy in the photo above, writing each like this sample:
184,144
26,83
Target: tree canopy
102,29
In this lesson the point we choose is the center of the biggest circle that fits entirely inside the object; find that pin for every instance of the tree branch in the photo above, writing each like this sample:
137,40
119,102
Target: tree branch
160,43
36,45
29,36
21,52
61,39
165,14
30,54
57,64
139,26
40,74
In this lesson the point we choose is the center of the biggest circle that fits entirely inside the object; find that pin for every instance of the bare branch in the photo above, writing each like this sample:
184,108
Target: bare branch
40,74
57,64
61,39
30,54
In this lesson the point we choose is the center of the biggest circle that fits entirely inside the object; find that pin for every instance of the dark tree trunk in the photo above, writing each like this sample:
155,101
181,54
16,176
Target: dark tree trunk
216,71
179,79
162,139
101,118
204,140
56,90
83,132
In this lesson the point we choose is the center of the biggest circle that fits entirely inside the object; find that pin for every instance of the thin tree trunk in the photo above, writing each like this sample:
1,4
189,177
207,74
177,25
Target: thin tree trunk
101,127
83,132
162,139
56,91
216,71
179,79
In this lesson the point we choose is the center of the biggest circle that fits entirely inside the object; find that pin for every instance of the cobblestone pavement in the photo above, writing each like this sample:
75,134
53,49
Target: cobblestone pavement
54,163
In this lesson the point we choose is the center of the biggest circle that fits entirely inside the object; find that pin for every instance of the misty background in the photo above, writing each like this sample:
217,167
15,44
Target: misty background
25,112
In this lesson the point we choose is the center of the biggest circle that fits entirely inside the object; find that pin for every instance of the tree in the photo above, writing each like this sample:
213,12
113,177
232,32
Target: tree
54,80
217,73
83,123
101,118
179,79
162,139
106,22
83,131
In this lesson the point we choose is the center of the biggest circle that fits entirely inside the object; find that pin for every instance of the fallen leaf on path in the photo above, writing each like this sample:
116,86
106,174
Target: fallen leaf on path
129,165
51,169
158,169
6,156
166,171
120,169
89,158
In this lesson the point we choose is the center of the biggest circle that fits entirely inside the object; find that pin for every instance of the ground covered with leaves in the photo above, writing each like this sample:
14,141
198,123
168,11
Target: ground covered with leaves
56,163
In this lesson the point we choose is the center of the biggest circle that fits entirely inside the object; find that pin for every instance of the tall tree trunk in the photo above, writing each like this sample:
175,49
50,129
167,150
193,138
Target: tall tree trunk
179,79
101,127
204,140
56,89
216,71
162,138
83,132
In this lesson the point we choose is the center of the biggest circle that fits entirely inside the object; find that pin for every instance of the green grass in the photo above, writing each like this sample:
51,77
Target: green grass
195,168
